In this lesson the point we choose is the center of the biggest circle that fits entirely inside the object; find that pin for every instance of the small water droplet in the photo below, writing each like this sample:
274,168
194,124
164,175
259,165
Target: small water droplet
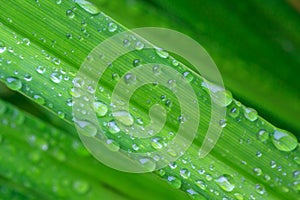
224,183
88,129
238,196
112,127
112,27
81,186
175,182
100,108
263,135
2,47
139,45
88,7
223,123
124,117
260,189
13,83
129,78
201,184
136,63
257,171
56,77
161,53
113,145
27,77
40,100
41,69
284,140
156,144
148,164
188,76
185,173
250,114
70,14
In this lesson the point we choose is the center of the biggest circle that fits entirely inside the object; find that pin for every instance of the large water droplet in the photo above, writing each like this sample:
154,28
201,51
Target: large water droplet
70,14
88,7
148,164
225,184
284,140
260,189
13,83
112,145
124,117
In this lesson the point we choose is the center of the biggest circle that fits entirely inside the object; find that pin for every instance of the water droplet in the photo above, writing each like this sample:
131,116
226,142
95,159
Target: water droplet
260,189
113,145
224,183
13,83
41,69
70,14
40,100
126,43
61,114
2,47
112,27
161,53
124,117
223,123
88,7
250,114
234,112
185,173
136,63
78,82
26,41
59,155
100,108
34,156
257,171
296,185
56,77
148,164
81,186
263,135
156,69
201,184
284,140
139,45
238,196
188,76
175,182
27,77
156,143
129,78
88,129
112,127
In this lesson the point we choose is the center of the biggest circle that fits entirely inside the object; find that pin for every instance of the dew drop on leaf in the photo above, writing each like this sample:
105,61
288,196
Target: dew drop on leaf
13,83
100,108
112,27
88,7
284,140
175,182
224,183
263,135
81,186
250,114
